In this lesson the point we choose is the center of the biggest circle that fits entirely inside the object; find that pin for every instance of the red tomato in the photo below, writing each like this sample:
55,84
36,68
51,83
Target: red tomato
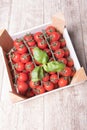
63,60
51,72
31,42
42,44
50,29
22,87
54,78
22,77
15,57
49,86
25,58
62,43
66,52
48,52
46,77
63,81
55,36
29,66
55,45
33,84
37,63
19,66
59,53
28,37
70,62
22,49
66,72
18,42
38,36
30,93
40,89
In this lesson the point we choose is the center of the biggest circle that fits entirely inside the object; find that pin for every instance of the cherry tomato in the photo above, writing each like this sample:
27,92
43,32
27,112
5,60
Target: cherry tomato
63,60
29,66
28,37
33,84
66,72
22,49
31,42
18,42
63,81
15,57
40,89
42,44
59,53
55,36
55,45
22,87
50,29
62,42
49,86
30,93
22,77
25,58
70,62
46,77
38,36
54,78
19,66
66,52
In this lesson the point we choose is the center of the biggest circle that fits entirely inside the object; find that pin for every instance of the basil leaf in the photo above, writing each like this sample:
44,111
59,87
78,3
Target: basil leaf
54,66
40,56
37,74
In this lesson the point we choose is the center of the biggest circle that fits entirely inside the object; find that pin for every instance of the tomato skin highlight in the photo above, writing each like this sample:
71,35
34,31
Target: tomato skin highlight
55,45
29,66
50,30
22,87
54,36
22,77
22,49
62,82
19,66
49,86
63,60
66,72
42,44
15,57
54,78
38,36
33,84
59,53
25,58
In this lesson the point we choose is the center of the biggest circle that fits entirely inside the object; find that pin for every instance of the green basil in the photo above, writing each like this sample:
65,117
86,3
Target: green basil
37,74
53,66
40,56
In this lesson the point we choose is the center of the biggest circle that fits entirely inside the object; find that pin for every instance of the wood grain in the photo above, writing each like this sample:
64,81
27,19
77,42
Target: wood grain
65,109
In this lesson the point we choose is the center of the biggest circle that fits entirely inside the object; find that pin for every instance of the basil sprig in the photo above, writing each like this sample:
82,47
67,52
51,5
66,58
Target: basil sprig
42,57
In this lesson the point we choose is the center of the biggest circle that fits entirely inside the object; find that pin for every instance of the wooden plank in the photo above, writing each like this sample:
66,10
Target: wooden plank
5,6
83,18
25,15
65,109
72,16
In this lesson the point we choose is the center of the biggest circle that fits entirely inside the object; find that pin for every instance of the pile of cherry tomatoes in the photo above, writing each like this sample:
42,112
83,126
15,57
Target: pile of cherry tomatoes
23,63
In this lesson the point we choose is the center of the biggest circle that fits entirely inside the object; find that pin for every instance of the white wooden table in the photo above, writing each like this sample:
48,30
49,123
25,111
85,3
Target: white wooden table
65,109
